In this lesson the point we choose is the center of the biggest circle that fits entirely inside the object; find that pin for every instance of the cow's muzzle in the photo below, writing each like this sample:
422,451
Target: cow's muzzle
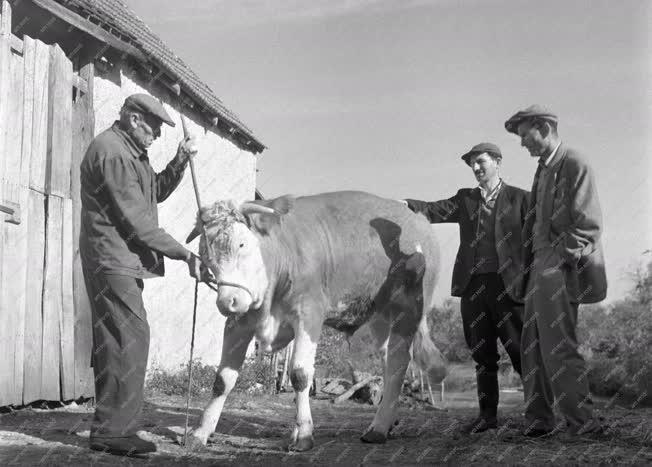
233,298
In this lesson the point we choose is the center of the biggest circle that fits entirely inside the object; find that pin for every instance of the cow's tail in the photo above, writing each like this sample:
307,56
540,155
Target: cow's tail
426,354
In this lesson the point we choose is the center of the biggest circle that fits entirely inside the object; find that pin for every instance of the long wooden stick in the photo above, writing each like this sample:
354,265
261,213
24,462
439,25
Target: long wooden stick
194,310
192,163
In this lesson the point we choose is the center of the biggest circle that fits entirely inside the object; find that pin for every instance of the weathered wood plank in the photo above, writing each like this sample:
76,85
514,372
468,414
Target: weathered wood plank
6,341
59,144
67,322
83,127
52,300
38,160
12,285
29,56
17,292
34,308
94,30
12,152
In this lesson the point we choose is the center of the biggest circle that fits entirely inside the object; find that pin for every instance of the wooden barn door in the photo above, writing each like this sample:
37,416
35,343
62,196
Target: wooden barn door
44,325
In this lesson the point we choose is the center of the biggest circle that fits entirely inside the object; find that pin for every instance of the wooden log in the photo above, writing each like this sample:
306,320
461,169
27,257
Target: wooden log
52,304
345,396
38,160
67,321
422,390
59,142
34,308
83,127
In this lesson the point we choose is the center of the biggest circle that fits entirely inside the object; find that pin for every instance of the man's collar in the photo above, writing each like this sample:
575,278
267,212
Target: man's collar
128,140
489,195
549,159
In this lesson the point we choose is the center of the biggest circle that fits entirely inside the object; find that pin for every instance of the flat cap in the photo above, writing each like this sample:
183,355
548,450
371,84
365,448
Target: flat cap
147,104
481,149
533,111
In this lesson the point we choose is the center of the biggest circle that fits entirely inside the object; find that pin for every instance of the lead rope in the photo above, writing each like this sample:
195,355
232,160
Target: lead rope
192,348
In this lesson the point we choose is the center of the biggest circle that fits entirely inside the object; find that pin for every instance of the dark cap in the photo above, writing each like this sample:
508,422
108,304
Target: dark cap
534,111
147,104
481,148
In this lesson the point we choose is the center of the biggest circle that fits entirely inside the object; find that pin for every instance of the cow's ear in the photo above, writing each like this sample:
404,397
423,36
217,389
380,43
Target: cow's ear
263,215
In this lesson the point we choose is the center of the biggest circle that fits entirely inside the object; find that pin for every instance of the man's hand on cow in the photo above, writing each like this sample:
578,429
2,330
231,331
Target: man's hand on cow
187,148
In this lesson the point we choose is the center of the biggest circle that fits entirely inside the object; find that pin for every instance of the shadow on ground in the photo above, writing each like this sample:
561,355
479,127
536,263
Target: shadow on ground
254,430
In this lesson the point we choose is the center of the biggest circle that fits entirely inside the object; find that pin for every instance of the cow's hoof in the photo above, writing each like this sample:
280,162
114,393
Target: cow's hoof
193,443
374,437
302,444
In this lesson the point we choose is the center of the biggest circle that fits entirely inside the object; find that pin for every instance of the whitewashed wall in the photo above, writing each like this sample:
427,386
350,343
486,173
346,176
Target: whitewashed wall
224,171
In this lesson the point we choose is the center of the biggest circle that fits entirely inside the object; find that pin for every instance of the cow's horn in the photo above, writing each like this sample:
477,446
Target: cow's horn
194,234
253,208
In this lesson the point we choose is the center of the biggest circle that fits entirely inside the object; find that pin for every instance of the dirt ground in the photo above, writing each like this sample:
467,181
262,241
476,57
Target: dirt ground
254,430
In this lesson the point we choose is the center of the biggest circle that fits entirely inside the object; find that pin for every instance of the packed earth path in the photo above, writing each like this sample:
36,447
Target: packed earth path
254,430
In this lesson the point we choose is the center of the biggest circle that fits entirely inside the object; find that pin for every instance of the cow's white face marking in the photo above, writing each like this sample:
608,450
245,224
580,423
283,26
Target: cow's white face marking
236,258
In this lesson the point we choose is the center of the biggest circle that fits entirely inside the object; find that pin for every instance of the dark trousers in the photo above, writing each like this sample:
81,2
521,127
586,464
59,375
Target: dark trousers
488,314
120,350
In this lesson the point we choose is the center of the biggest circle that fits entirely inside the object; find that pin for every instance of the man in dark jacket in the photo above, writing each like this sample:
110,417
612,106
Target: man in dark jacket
120,245
488,272
565,268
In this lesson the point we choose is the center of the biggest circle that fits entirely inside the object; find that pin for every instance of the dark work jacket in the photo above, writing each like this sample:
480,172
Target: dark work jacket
119,218
463,208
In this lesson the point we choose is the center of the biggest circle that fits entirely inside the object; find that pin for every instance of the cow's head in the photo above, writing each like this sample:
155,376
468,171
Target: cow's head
231,248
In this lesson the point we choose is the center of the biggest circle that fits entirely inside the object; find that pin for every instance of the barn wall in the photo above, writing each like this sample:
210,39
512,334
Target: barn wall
224,171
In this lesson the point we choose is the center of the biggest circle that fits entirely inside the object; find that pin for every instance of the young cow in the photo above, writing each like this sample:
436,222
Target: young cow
287,266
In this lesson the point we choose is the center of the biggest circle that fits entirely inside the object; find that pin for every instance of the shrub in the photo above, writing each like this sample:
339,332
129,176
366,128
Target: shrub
617,341
175,383
255,376
447,332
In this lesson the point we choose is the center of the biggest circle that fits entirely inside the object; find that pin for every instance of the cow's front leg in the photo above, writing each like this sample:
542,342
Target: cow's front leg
237,335
303,369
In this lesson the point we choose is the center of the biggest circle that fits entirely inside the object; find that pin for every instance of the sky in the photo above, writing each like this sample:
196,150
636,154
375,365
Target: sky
384,95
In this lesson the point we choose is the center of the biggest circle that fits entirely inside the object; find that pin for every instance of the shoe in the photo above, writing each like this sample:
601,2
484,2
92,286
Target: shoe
479,424
592,428
537,432
122,446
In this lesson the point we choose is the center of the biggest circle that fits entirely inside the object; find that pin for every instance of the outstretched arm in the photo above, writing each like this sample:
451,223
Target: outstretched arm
445,210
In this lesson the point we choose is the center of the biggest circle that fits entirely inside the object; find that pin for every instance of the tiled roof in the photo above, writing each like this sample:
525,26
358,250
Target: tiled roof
119,20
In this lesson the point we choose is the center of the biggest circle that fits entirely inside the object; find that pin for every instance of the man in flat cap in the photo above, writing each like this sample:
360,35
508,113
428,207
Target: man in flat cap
566,268
121,244
488,270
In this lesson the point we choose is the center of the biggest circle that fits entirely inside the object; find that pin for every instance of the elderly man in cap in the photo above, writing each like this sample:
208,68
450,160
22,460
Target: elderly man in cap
566,268
121,244
488,270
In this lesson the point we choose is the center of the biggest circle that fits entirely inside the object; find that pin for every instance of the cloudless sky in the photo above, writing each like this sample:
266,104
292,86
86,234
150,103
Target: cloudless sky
385,95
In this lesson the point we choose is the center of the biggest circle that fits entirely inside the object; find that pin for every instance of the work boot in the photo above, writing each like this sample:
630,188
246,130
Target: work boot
122,446
488,400
479,424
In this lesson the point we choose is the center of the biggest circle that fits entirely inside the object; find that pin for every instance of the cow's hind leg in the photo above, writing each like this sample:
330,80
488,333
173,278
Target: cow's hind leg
237,335
397,359
303,369
403,312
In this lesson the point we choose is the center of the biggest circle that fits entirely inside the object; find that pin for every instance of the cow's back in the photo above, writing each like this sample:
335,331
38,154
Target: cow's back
347,244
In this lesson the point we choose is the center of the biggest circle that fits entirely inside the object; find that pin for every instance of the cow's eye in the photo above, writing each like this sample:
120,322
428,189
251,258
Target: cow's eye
242,245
